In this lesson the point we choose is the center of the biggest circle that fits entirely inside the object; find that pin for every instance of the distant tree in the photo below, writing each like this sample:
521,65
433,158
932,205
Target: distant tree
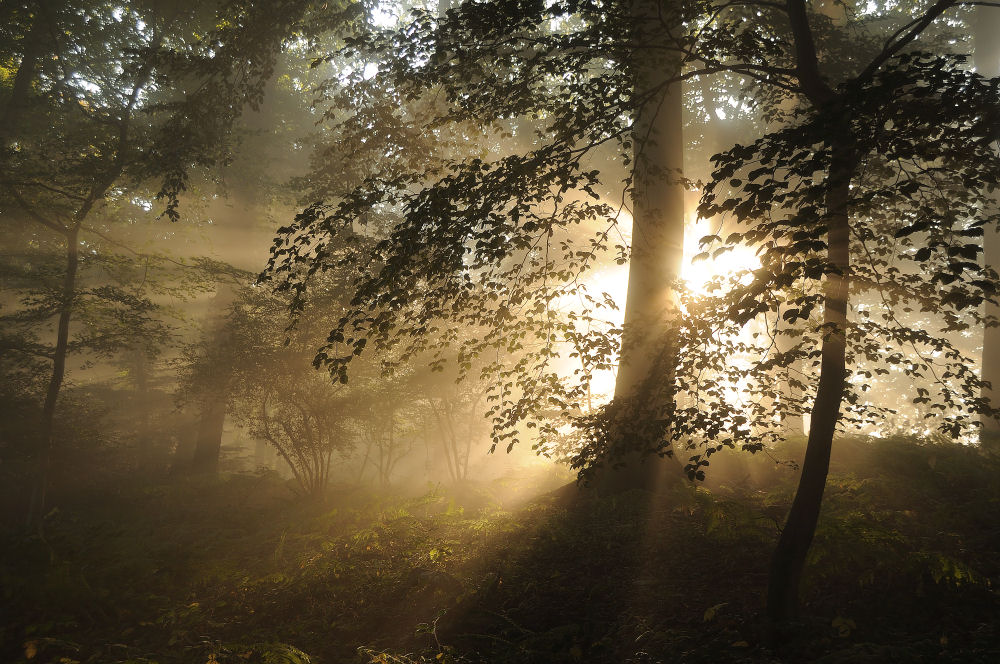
384,413
207,382
274,393
453,409
114,104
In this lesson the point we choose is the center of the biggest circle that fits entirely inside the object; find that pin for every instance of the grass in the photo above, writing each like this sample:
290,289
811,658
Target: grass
904,568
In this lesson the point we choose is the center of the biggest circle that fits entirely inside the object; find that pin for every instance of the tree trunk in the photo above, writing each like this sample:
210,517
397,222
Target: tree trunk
791,424
43,458
208,444
643,389
986,36
21,89
790,555
143,407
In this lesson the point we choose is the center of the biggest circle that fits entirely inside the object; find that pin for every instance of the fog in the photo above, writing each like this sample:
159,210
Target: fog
499,332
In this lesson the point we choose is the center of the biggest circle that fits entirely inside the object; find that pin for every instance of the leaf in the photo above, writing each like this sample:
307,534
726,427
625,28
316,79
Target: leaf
844,626
712,611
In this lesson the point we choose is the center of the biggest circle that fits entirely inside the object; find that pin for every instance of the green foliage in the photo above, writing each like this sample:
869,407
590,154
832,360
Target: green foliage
184,572
477,240
502,239
903,210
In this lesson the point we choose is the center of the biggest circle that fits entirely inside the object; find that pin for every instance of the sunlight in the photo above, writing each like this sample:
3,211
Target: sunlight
696,275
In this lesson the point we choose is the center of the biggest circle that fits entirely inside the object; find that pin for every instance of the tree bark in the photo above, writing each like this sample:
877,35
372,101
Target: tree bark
789,557
208,444
986,38
648,356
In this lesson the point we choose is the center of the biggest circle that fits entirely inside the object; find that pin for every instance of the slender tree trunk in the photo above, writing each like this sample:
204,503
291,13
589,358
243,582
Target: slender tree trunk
645,372
789,557
446,443
43,460
386,467
986,34
143,398
791,424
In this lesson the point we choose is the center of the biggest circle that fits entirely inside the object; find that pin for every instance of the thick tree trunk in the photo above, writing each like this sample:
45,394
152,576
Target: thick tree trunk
790,555
648,356
986,34
20,93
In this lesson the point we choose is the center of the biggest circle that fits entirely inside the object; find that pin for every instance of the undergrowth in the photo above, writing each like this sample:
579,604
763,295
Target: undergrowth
903,568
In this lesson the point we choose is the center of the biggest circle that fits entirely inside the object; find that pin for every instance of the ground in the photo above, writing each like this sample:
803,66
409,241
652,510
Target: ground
904,568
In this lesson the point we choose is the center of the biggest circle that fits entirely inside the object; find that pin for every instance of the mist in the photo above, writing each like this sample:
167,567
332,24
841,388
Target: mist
499,332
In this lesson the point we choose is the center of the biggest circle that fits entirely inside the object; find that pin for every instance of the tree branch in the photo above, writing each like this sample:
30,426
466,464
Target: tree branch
31,212
35,183
806,61
906,34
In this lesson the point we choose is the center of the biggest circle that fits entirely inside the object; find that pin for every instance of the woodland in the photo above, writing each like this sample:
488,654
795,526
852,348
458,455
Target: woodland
513,331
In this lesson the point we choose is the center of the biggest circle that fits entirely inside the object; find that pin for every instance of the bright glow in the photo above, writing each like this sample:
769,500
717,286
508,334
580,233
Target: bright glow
384,15
696,275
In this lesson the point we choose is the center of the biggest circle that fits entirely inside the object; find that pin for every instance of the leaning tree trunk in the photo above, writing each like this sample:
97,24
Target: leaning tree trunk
789,557
648,356
987,53
43,456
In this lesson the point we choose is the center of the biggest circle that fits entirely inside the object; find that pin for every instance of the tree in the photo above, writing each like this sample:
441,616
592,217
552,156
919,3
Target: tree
454,407
384,411
273,391
106,96
902,143
208,382
643,391
869,180
500,238
987,59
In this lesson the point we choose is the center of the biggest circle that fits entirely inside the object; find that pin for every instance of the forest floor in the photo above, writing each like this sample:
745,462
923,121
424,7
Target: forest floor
904,568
